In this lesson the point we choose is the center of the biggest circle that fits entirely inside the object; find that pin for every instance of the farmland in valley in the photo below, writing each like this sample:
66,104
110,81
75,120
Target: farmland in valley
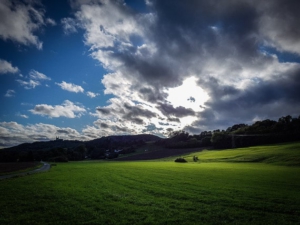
257,185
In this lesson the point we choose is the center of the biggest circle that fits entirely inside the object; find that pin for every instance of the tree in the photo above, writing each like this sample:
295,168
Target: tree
179,135
221,140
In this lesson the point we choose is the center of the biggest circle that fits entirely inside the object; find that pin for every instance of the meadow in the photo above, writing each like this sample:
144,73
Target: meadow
257,185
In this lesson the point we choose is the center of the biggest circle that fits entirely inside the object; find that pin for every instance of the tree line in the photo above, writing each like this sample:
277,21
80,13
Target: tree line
267,131
285,129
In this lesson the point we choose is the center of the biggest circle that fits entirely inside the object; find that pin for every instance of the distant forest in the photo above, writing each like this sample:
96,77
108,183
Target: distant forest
286,129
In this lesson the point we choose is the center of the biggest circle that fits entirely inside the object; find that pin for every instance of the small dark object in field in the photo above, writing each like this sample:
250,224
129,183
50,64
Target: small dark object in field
195,158
182,160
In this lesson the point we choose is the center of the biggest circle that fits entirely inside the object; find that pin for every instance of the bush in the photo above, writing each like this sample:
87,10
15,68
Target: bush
181,160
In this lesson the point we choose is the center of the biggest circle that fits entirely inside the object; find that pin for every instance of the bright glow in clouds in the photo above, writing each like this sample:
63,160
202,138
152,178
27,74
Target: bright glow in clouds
188,95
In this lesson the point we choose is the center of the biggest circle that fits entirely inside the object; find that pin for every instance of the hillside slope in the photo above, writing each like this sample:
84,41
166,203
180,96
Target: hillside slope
159,154
280,154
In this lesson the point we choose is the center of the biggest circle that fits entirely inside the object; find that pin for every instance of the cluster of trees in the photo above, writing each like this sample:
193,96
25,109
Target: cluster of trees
182,139
267,131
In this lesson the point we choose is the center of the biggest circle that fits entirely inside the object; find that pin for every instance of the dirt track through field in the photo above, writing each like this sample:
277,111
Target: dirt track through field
44,168
159,154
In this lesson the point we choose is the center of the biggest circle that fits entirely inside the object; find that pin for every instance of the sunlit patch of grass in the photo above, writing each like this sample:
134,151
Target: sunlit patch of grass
281,154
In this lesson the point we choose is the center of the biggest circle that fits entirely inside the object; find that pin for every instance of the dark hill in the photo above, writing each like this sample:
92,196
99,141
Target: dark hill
44,145
47,145
64,150
125,138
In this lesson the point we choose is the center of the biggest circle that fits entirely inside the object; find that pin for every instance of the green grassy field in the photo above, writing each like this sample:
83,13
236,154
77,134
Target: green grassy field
215,190
287,154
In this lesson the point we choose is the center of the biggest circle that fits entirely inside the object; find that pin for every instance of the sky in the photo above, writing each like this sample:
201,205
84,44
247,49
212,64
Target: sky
83,69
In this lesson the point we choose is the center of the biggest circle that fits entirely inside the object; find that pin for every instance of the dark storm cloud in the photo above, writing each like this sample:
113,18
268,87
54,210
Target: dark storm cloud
104,125
169,110
265,99
62,132
137,111
127,112
215,89
280,24
184,31
189,25
218,42
122,129
174,119
152,95
133,114
285,89
67,131
153,71
104,111
134,119
38,137
170,129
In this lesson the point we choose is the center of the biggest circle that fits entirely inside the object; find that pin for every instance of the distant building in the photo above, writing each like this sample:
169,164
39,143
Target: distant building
58,139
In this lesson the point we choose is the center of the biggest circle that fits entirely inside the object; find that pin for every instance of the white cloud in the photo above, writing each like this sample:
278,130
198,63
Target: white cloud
51,22
28,84
22,115
69,25
35,79
10,93
67,109
93,132
19,21
35,75
91,94
13,133
6,67
107,24
104,127
70,87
